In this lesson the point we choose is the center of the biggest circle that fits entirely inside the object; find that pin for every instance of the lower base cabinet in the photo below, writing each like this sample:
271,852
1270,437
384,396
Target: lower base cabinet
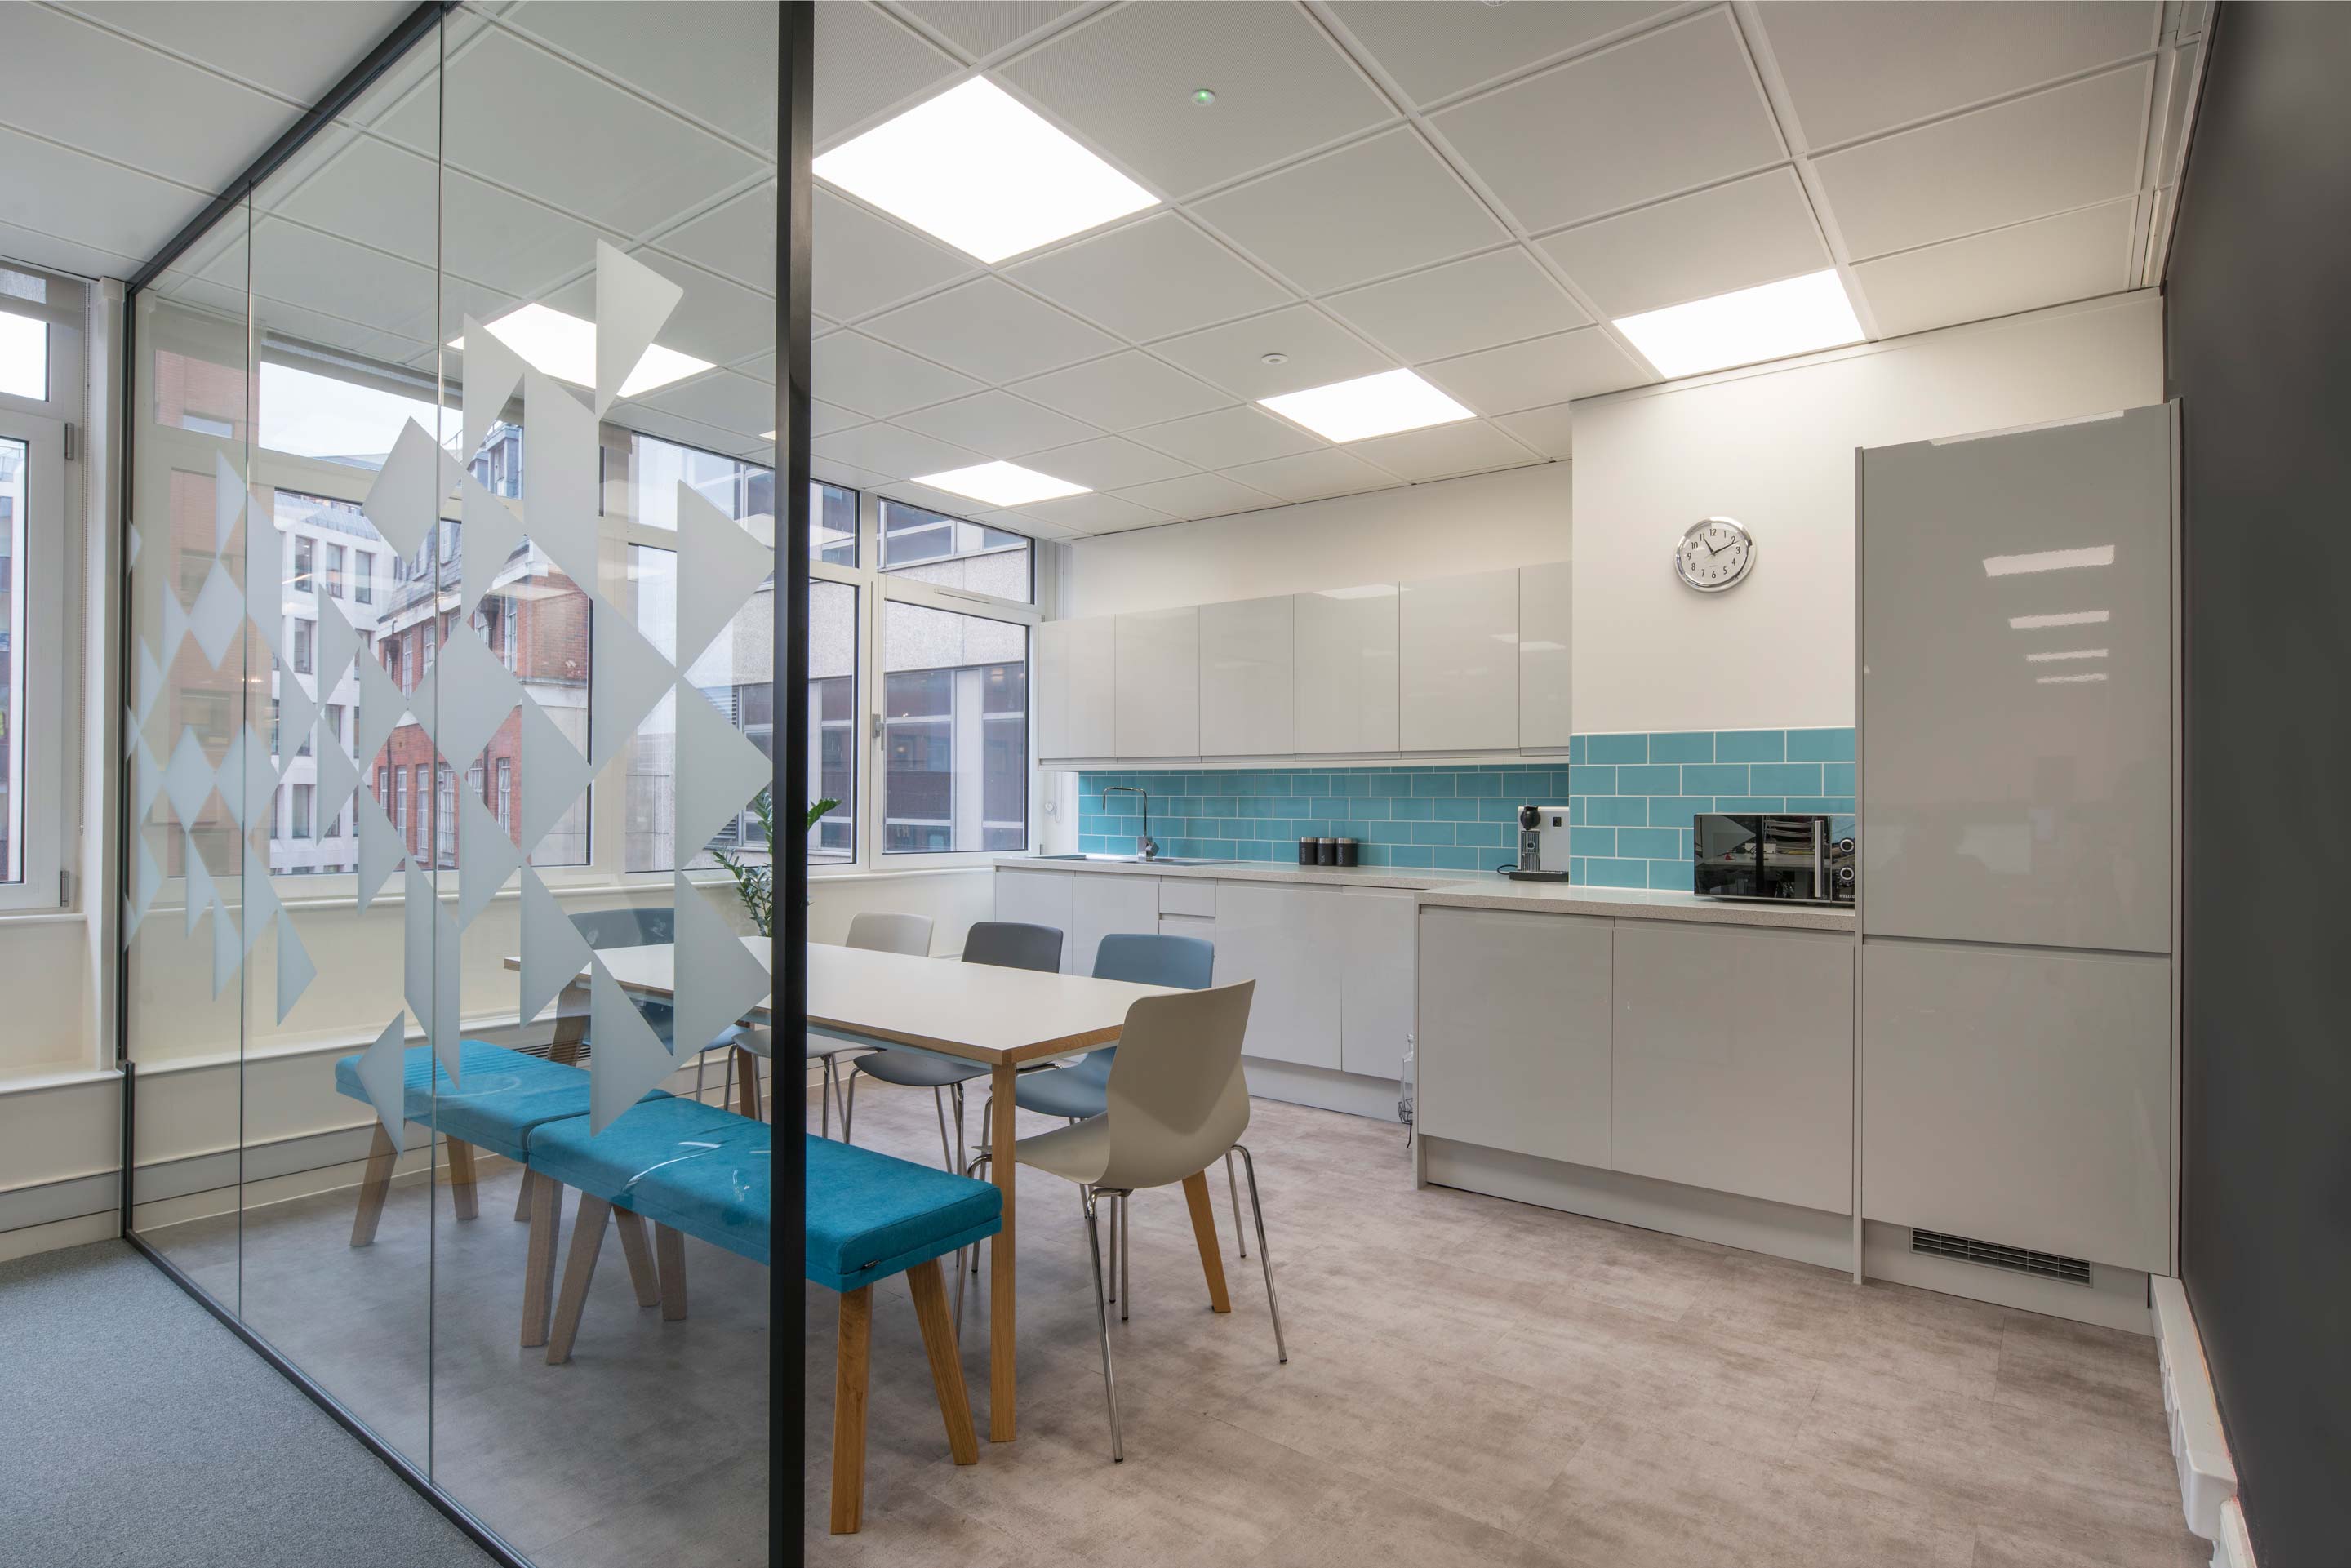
1037,898
1375,978
1106,906
1283,936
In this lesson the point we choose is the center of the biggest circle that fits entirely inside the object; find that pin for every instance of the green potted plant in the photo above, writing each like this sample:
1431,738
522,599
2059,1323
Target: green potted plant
755,884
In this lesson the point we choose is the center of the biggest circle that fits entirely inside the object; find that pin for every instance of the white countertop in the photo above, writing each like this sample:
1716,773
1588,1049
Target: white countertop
1483,890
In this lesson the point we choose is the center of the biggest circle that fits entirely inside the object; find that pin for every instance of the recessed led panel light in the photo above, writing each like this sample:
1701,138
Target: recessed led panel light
1002,484
1368,406
2069,680
2069,618
1368,590
2048,560
1794,315
983,173
561,345
2068,653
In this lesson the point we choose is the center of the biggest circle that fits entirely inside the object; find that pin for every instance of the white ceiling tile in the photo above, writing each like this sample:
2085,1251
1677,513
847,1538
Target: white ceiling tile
1462,306
862,262
981,27
873,378
1434,48
719,398
889,449
846,475
1200,495
1123,80
1122,390
2074,256
1312,475
1106,463
1150,279
1857,66
724,77
1442,451
1549,429
1583,363
63,254
736,239
998,424
2064,148
824,418
298,52
1668,110
867,61
714,320
1318,351
1381,206
53,190
303,267
1094,512
990,330
1226,437
1752,231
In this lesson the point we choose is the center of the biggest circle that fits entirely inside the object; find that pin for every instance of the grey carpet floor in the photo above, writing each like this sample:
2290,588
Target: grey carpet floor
137,1432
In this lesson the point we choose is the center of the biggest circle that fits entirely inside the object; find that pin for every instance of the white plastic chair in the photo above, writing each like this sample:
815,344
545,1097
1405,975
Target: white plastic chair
876,933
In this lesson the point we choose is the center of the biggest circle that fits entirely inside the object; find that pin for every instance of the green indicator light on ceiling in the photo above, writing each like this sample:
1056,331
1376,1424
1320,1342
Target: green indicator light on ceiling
1203,96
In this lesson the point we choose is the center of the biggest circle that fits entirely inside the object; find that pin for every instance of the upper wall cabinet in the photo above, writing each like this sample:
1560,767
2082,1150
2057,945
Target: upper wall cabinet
1076,690
1458,641
1345,669
1159,709
1245,679
1542,657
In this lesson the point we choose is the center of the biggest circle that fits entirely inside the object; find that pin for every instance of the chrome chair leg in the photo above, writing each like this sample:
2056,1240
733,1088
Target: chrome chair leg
849,1109
1101,1319
1239,1235
955,1092
946,1148
1125,1254
1113,1251
727,1091
978,1164
1257,1208
699,1058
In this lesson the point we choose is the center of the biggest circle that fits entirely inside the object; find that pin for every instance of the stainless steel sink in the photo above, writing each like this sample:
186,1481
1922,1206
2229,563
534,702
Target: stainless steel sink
1137,860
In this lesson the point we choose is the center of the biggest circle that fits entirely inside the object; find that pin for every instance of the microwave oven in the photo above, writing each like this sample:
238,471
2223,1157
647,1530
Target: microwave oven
1800,857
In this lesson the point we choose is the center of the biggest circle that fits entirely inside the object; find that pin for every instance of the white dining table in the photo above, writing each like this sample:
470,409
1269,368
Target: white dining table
1002,1019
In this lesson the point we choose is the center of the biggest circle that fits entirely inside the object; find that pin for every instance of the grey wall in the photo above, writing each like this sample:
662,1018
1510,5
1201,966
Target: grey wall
2259,347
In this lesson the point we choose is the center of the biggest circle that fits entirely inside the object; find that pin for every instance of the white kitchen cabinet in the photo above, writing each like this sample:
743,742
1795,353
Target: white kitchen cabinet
1158,707
1343,669
1105,904
1543,645
1076,690
1375,978
1037,898
1733,1060
1514,1033
1286,938
1245,679
2019,1096
1459,652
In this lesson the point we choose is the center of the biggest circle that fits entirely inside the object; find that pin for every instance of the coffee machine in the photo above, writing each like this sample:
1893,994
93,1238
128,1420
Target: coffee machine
1542,845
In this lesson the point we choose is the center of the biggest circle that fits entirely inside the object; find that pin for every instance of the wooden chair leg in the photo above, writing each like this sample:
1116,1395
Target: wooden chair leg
374,1187
1204,1234
539,1266
946,1367
522,1197
462,1190
671,1246
852,1354
640,1255
579,1270
747,1071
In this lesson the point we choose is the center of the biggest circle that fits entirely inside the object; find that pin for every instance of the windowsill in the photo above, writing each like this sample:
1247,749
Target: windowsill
982,860
43,918
58,1076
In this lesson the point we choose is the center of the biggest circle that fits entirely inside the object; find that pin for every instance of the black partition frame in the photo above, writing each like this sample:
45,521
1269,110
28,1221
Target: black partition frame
786,958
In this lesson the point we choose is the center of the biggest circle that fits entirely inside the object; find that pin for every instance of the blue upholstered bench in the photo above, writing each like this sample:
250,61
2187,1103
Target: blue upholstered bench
701,1172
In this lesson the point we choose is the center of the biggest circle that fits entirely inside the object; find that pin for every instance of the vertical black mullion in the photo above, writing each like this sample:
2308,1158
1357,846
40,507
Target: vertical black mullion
788,928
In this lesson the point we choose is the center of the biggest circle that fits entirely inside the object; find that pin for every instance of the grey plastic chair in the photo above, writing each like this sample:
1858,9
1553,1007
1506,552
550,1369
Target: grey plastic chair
632,926
874,932
1004,943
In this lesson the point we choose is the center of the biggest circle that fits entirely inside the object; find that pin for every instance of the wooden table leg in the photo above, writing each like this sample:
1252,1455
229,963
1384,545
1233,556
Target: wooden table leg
570,1025
1003,1167
1204,1232
747,1069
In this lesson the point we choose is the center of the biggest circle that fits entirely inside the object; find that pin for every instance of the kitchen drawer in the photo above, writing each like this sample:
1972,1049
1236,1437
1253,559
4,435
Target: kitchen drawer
1188,896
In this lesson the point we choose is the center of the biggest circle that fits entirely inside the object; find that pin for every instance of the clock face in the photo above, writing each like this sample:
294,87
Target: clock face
1714,554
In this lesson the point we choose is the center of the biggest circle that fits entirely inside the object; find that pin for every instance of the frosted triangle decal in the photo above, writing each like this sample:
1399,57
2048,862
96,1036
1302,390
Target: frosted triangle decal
381,706
201,894
492,371
339,643
337,778
718,980
225,952
554,774
629,1059
486,856
627,676
553,951
476,694
561,470
228,501
261,906
719,771
405,500
384,1075
632,302
380,849
719,567
146,881
492,532
432,966
176,624
188,778
248,783
297,711
295,970
219,611
146,780
146,681
265,579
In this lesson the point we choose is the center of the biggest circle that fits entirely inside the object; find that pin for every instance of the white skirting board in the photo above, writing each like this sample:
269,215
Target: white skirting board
2208,1476
2235,1548
2114,1298
1325,1089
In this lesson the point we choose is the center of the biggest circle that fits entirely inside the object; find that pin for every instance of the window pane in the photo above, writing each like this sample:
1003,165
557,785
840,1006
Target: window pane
832,719
656,468
23,356
14,457
930,547
954,731
832,524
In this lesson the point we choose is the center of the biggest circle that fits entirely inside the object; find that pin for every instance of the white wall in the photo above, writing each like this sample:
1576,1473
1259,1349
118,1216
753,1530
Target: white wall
1775,450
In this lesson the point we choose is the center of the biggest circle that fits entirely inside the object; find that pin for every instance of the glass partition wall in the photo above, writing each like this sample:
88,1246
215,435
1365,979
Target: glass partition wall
451,675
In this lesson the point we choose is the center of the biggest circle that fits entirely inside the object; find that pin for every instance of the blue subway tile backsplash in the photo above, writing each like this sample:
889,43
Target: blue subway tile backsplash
1631,798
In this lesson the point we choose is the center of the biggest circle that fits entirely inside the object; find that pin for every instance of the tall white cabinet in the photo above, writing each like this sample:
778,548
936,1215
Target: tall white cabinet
1158,683
1459,652
1076,687
1344,669
1246,678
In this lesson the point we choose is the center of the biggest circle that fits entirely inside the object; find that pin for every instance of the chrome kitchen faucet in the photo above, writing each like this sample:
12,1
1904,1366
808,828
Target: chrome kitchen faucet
1146,846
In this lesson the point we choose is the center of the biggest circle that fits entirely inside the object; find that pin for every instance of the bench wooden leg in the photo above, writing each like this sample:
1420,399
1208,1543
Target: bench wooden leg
1204,1234
462,1190
522,1197
853,1354
640,1255
374,1187
946,1367
571,1026
671,1245
579,1272
748,1070
538,1268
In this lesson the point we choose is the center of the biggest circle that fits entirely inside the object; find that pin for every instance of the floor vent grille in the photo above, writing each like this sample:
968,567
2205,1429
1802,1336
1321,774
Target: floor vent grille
1993,1254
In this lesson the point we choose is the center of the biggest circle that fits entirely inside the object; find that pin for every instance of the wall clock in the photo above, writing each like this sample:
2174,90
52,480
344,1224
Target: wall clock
1714,554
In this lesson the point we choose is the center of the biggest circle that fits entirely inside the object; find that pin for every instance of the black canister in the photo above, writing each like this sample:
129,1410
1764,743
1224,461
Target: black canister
1326,851
1349,849
1306,852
